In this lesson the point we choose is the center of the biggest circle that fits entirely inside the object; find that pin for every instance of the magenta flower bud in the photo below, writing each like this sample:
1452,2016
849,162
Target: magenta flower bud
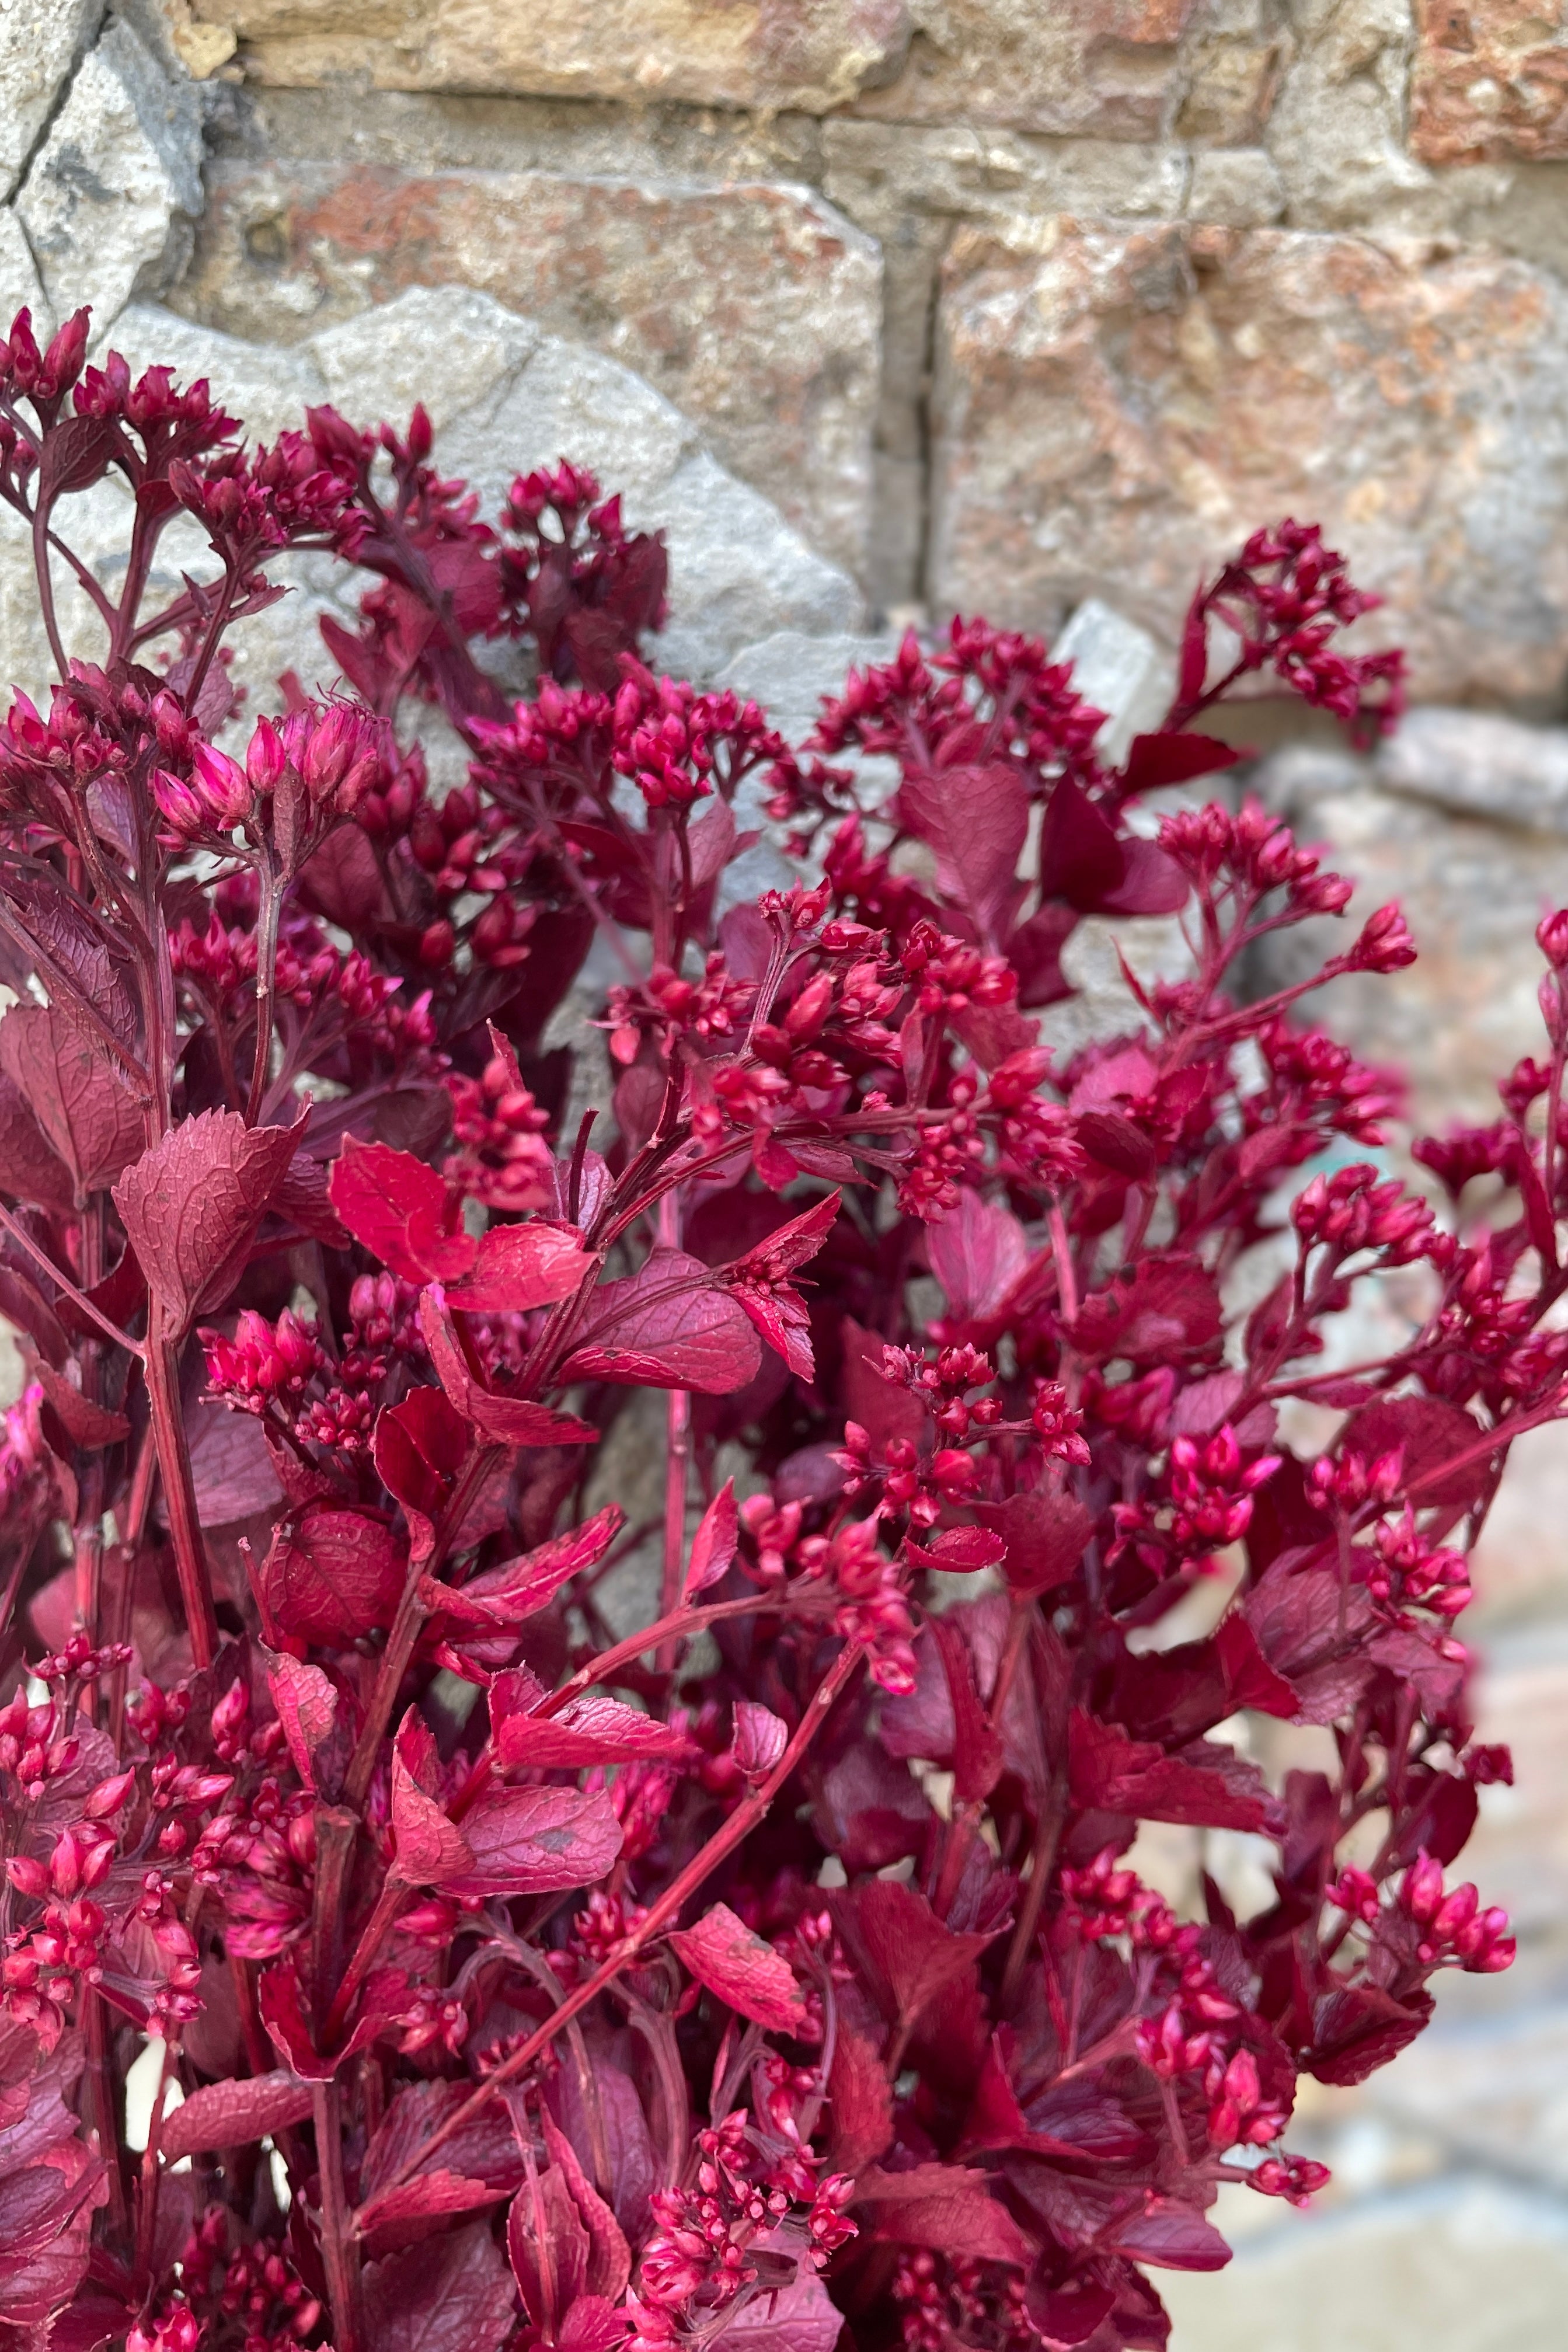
63,359
1422,1892
108,1796
178,806
223,785
265,758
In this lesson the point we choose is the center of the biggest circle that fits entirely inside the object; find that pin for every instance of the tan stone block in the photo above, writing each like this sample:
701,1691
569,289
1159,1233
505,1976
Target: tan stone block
1116,408
1489,80
1107,68
756,310
812,54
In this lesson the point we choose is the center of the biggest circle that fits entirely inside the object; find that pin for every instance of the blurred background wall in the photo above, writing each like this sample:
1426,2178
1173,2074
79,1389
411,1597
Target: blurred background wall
886,307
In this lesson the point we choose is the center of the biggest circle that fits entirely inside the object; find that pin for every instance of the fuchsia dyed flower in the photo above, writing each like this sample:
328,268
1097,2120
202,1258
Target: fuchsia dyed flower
606,1972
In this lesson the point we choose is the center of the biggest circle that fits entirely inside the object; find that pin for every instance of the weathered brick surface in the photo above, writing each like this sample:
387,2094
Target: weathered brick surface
1121,406
757,309
801,53
1491,78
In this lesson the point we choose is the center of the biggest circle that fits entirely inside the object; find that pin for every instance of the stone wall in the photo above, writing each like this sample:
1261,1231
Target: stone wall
882,308
1003,302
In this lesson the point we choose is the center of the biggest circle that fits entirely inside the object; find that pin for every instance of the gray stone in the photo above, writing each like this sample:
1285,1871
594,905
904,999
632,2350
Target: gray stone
756,308
19,286
790,672
1117,409
505,398
110,202
1121,670
40,40
1480,764
387,356
740,572
1239,187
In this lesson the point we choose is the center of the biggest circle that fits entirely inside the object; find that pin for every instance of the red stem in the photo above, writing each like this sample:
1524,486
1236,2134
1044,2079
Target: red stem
724,1841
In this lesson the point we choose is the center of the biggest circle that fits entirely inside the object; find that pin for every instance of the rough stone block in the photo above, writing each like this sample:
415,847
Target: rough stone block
1105,68
515,400
1337,127
40,43
812,54
110,200
1481,765
755,309
1118,668
1116,406
1490,80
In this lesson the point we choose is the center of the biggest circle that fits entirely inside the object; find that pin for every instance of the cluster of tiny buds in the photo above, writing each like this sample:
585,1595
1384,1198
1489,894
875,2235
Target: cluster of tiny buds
502,1159
943,2301
1350,1210
1450,1929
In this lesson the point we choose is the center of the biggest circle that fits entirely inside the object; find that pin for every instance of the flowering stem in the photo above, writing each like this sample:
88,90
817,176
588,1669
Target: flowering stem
340,2247
268,913
161,1360
1042,1855
677,1461
147,2188
405,1627
723,1842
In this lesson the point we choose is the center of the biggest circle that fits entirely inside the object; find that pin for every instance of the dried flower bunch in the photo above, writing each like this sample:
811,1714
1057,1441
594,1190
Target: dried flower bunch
774,1974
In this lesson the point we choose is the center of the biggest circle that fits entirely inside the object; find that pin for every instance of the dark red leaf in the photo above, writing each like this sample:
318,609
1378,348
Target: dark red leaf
522,1267
85,1114
593,1730
30,1169
191,1205
1152,882
419,1447
1108,1772
1433,1436
330,1575
86,1424
307,1704
402,1211
976,820
453,2294
977,1748
860,2101
906,1955
1165,1310
977,1251
1045,1537
666,1327
535,1842
736,1964
1080,858
948,2208
1174,759
516,1590
714,1545
233,2114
